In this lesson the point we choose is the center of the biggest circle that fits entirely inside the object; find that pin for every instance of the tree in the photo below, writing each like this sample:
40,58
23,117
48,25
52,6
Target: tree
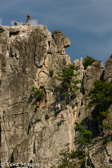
69,84
38,93
86,135
101,97
88,61
72,159
85,140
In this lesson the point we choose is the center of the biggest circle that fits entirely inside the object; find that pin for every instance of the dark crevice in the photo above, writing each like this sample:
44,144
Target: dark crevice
29,127
13,33
2,30
34,148
89,163
102,75
12,158
49,43
92,124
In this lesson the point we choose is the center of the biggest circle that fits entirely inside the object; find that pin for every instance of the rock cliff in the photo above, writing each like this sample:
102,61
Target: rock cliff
27,55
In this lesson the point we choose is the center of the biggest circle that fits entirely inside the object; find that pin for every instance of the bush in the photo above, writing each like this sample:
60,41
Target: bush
51,72
105,141
38,93
88,61
37,120
46,117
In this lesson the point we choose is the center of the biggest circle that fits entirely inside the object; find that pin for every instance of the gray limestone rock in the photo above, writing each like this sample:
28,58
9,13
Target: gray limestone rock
27,55
91,74
61,41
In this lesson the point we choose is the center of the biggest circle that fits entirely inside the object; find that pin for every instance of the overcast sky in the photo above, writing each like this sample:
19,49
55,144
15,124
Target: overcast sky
88,23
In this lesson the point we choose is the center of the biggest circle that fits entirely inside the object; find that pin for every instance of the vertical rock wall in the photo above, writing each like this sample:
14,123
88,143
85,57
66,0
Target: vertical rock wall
27,55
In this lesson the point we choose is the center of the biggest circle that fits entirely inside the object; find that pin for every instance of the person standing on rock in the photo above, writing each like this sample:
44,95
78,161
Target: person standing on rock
28,18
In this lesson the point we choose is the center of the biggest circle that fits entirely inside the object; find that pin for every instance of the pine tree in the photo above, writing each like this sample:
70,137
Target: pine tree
68,86
101,97
85,140
88,61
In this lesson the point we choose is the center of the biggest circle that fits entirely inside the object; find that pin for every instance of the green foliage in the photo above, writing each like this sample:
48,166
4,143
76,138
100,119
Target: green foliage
77,154
69,84
86,135
38,93
101,96
51,72
106,140
44,127
37,120
88,61
107,124
72,159
46,117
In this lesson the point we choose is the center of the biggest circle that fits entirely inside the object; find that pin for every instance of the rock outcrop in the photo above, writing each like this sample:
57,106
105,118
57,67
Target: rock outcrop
108,70
27,55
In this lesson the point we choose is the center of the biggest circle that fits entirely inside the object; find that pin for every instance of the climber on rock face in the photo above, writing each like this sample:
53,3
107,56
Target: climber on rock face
62,117
38,103
44,105
28,18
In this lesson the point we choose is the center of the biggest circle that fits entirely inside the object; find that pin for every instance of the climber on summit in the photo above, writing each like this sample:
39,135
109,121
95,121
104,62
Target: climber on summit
15,23
28,18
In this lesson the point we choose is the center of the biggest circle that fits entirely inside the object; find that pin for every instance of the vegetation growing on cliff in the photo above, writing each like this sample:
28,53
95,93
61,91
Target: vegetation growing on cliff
38,93
101,97
68,86
85,140
86,135
72,159
51,72
88,61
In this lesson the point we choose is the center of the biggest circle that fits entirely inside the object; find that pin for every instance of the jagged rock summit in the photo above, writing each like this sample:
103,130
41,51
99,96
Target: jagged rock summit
27,55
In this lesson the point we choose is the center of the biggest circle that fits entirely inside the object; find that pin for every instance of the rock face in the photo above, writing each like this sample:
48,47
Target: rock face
27,55
90,75
108,70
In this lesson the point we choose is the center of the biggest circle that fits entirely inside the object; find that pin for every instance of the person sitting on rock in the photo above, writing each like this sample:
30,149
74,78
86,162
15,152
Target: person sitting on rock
28,18
15,23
